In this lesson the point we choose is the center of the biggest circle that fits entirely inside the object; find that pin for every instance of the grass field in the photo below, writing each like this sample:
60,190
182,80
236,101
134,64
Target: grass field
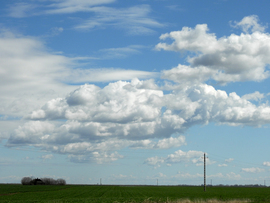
147,194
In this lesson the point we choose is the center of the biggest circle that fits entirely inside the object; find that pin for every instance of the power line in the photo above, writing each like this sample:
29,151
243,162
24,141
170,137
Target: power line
235,161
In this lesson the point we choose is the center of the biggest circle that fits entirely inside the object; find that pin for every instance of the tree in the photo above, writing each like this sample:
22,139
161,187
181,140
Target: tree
60,181
45,181
49,181
26,180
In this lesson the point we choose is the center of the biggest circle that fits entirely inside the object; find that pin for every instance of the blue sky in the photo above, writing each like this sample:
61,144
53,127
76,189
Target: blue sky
134,91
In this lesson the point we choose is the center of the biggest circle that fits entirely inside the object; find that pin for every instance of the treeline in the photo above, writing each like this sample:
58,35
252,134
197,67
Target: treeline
250,185
42,181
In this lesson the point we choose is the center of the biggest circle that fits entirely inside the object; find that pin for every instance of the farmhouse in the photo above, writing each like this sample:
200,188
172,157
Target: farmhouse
37,181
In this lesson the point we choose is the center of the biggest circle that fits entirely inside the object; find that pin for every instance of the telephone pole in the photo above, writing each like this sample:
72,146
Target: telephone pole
204,163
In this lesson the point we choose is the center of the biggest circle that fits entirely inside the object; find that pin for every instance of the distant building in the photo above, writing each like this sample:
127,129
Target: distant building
37,181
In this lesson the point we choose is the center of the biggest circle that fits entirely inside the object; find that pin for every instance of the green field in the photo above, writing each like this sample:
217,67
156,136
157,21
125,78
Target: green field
98,193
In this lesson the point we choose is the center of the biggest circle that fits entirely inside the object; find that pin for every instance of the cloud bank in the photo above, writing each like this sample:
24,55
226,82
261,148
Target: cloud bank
91,124
131,114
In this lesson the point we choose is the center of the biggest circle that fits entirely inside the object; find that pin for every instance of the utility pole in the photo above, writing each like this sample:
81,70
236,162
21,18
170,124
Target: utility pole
204,163
157,182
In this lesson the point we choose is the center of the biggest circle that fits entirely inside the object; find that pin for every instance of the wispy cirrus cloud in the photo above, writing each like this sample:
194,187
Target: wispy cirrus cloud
21,9
135,20
30,74
120,52
74,6
26,9
175,8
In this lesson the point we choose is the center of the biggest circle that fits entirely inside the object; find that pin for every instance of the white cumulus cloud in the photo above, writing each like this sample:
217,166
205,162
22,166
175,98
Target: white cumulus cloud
229,160
47,156
250,24
266,163
131,114
234,58
256,96
91,123
30,75
222,165
253,170
194,157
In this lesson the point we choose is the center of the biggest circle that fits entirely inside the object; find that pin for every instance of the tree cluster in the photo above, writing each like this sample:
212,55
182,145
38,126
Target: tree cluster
42,181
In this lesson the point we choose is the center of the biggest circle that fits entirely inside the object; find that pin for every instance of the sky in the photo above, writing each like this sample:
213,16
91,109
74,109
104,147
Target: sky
135,92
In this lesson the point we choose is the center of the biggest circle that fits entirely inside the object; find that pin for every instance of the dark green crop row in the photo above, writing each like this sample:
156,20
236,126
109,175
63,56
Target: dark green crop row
105,193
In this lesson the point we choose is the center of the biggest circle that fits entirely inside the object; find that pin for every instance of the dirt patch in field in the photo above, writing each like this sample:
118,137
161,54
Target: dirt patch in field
9,194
